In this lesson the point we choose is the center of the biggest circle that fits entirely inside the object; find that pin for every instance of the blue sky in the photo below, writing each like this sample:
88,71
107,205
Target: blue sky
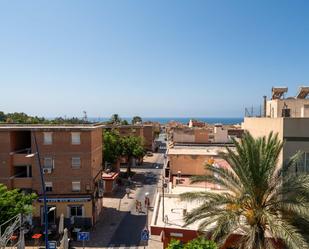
150,58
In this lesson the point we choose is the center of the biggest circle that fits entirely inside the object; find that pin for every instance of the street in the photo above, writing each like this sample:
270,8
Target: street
128,233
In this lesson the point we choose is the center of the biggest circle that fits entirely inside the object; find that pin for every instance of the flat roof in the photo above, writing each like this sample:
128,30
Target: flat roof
174,209
5,127
196,150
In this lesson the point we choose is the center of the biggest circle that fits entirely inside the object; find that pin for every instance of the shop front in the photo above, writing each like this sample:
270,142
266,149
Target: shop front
77,212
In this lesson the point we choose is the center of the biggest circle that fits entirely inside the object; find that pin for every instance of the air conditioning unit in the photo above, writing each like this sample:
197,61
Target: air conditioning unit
47,171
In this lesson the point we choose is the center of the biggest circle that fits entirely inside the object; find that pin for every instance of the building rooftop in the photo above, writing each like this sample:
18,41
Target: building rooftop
197,150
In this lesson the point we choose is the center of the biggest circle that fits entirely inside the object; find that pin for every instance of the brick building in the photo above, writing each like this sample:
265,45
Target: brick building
145,131
71,158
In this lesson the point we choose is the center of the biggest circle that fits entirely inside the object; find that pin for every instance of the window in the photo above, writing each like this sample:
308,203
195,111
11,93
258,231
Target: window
75,137
303,164
48,162
76,211
76,162
75,186
48,186
48,138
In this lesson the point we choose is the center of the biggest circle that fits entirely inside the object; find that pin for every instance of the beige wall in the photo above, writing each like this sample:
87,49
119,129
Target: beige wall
188,164
61,208
294,132
296,106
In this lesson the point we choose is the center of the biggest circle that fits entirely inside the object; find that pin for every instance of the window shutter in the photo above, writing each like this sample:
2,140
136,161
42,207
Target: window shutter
68,211
83,211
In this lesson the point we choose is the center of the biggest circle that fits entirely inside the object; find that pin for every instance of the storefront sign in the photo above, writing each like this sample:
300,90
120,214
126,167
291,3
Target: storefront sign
177,235
81,199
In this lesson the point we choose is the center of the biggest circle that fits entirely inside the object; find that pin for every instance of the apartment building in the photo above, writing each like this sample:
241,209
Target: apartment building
289,117
71,158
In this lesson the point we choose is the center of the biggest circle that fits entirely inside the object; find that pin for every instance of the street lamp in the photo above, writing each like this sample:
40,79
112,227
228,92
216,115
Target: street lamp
43,189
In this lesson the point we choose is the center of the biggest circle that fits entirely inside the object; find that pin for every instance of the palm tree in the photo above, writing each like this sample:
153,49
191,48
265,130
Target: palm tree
259,201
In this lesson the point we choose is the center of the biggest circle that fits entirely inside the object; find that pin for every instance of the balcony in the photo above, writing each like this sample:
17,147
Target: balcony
19,157
22,182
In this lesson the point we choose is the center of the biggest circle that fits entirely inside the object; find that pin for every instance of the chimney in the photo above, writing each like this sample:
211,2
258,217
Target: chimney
264,106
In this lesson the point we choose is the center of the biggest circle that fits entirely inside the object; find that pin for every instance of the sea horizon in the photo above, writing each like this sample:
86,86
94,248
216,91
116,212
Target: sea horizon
183,120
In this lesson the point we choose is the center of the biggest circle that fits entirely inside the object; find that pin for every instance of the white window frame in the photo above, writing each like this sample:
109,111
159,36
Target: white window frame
48,185
47,165
75,138
74,185
76,162
47,138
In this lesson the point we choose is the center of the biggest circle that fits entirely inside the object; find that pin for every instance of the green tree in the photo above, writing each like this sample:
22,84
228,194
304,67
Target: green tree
258,202
137,120
124,122
132,147
112,146
115,119
198,243
13,202
2,117
175,244
201,243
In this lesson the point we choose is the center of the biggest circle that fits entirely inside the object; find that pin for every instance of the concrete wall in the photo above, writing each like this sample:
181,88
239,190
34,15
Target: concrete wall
188,164
293,131
296,106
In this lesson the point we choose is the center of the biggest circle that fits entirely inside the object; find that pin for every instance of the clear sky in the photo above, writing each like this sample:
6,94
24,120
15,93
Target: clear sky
150,58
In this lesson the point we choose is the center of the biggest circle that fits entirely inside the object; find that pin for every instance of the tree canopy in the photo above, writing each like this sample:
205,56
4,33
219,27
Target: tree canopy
115,146
23,118
198,243
261,201
112,146
13,202
137,120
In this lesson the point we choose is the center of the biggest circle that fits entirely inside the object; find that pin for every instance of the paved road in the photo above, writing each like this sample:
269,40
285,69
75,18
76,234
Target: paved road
128,232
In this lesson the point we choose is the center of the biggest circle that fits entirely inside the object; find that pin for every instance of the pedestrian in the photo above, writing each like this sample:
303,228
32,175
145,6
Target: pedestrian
147,202
136,206
128,192
140,207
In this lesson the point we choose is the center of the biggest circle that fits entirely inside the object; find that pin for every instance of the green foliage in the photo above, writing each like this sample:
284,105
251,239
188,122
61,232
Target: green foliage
115,119
260,201
175,244
132,146
198,243
112,146
124,122
23,118
201,243
13,202
137,120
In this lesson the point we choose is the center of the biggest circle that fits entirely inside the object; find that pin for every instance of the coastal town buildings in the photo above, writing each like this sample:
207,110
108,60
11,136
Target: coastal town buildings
289,118
71,158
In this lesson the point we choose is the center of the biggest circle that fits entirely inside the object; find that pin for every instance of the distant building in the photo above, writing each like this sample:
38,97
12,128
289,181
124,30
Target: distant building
196,123
71,158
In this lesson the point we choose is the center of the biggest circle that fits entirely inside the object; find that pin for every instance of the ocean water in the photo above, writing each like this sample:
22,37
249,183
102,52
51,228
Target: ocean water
180,120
